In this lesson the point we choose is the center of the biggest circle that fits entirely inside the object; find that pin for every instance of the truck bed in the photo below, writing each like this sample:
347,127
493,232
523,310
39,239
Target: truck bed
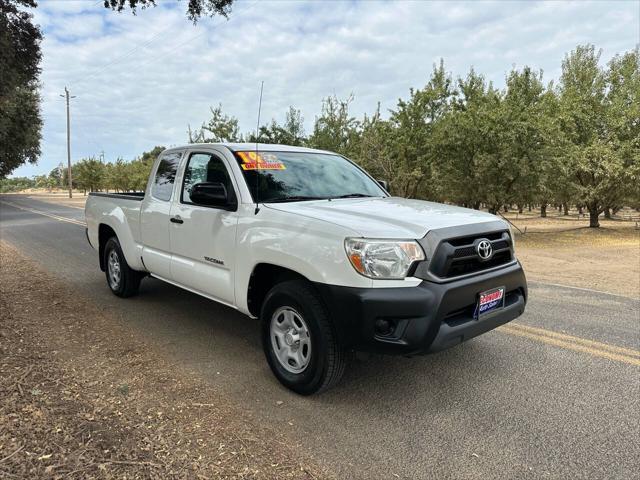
135,196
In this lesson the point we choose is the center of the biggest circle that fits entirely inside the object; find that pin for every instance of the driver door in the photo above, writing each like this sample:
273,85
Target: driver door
203,245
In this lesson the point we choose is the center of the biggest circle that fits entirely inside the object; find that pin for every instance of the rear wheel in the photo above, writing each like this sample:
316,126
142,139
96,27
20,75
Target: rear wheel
122,280
299,339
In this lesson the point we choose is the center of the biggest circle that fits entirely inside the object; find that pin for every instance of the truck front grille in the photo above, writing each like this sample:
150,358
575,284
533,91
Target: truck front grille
458,256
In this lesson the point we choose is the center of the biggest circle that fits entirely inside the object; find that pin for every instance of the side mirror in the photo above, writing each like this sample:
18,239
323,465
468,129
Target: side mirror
383,184
213,194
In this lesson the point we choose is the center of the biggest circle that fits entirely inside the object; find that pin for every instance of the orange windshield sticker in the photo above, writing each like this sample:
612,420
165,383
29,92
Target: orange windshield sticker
260,161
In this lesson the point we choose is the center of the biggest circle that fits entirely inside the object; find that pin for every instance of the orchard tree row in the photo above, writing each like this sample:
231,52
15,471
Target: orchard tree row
463,141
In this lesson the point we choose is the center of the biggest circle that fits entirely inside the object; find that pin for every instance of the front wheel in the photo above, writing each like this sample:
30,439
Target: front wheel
299,339
122,279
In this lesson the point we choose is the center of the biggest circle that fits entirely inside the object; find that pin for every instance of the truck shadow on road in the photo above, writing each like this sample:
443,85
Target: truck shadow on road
225,346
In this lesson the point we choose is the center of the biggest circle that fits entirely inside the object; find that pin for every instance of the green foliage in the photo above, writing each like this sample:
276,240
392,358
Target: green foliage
412,136
289,133
89,174
600,120
20,121
220,128
16,184
195,8
335,129
130,176
463,141
623,100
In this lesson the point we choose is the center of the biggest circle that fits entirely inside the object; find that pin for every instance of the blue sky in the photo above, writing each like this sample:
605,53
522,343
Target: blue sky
140,80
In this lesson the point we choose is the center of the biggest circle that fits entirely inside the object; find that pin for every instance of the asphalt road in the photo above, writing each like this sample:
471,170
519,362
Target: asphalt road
554,395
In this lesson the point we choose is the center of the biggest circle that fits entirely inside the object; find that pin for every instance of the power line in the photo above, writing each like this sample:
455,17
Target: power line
163,54
148,42
123,57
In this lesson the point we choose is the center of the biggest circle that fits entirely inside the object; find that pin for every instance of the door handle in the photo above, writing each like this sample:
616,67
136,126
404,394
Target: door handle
176,219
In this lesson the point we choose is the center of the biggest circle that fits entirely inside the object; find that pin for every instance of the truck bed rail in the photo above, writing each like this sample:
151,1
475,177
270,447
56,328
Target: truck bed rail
135,196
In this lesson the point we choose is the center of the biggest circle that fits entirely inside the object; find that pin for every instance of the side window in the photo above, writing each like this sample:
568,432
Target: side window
165,176
204,167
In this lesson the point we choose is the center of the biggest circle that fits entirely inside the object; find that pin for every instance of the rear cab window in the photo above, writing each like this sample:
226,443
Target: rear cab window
165,176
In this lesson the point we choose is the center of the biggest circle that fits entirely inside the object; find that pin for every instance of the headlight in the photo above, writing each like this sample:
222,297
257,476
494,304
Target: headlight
383,259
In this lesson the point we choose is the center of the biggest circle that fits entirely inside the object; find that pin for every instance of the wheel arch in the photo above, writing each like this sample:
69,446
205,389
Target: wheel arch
105,232
263,278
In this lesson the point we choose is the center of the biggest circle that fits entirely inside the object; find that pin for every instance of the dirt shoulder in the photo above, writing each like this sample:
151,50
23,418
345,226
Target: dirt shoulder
606,259
84,397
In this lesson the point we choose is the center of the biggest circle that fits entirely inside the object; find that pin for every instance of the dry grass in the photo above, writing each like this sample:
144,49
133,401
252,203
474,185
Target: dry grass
606,259
82,397
556,221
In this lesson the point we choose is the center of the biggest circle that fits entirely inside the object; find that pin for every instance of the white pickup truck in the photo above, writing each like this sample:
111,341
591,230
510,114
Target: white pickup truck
314,247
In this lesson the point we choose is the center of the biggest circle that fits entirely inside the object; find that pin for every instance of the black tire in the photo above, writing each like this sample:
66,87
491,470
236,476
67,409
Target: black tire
327,359
129,279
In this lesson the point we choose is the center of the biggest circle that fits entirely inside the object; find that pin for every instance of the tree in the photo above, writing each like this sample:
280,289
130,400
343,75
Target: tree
463,140
374,150
623,121
119,176
89,174
221,128
511,167
289,133
20,121
56,175
293,128
599,135
16,184
151,155
195,8
413,122
138,170
335,129
553,182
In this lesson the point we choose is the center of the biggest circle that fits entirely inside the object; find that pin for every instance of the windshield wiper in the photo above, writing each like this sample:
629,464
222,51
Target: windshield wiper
293,198
353,195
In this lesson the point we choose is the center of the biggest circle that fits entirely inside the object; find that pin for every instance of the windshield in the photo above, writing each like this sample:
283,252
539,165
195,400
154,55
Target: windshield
295,176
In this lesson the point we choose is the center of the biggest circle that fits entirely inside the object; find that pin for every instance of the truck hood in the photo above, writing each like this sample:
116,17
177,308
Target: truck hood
390,217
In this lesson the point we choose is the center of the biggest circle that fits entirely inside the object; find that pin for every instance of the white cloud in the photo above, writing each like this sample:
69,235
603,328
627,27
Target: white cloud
140,80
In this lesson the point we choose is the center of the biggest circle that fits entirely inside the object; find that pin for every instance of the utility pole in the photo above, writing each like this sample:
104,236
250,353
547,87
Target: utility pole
67,97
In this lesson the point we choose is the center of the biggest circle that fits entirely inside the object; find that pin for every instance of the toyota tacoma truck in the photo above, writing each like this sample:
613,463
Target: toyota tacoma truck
311,245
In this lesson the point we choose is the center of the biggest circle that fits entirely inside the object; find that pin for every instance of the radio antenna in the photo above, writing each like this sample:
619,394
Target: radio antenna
257,156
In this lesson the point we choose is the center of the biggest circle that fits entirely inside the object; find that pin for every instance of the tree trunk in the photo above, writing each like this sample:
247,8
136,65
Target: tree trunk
543,210
580,210
529,207
593,217
565,206
607,213
520,208
506,208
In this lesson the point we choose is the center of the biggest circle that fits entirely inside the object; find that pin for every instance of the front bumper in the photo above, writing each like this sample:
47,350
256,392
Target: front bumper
423,319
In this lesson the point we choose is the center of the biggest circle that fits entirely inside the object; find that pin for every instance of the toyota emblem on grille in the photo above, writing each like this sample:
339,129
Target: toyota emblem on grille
484,249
